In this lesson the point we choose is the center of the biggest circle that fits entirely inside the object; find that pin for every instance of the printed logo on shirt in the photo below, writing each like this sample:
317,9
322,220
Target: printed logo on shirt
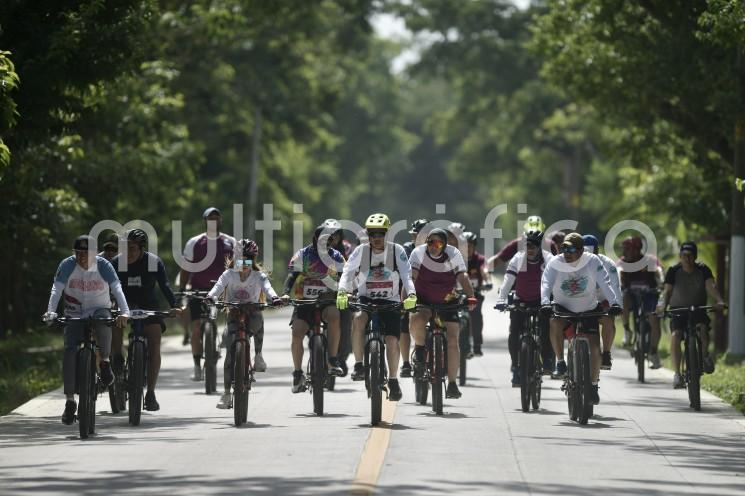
86,285
574,286
134,281
241,294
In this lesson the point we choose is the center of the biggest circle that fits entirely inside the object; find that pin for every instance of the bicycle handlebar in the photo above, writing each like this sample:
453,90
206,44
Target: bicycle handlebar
143,314
197,295
578,316
440,307
240,306
374,307
683,310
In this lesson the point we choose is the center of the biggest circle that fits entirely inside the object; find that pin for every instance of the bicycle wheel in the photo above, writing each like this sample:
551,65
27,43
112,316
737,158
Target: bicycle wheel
526,372
464,341
640,351
438,369
136,380
376,383
210,359
84,369
535,389
421,390
694,372
240,391
317,371
570,386
114,389
584,381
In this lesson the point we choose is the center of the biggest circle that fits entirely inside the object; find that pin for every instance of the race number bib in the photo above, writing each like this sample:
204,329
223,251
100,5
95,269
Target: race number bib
312,288
382,290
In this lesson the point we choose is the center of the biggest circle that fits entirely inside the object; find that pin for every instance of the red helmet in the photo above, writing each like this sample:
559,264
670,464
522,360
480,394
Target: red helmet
632,242
248,248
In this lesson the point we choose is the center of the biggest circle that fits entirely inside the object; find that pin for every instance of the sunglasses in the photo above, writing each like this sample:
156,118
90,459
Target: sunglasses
532,245
239,264
376,234
569,249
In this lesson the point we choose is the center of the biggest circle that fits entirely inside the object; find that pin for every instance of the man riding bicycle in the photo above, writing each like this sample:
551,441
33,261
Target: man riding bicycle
480,281
573,278
533,223
687,284
405,341
87,281
378,267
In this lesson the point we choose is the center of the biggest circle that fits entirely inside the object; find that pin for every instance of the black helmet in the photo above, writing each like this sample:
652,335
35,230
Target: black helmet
534,237
248,248
137,236
456,228
439,233
417,225
470,237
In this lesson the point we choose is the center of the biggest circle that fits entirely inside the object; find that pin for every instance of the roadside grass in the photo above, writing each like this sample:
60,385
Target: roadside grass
30,364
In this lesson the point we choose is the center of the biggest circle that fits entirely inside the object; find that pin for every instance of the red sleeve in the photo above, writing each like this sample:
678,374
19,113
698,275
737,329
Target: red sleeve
508,251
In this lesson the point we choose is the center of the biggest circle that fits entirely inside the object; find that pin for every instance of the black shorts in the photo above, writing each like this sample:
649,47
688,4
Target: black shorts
680,322
405,322
390,320
195,309
590,325
446,315
307,313
156,320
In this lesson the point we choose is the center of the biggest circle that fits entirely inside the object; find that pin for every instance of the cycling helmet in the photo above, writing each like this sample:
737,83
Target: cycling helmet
210,211
332,224
470,237
557,237
248,248
417,225
534,237
456,228
440,233
534,223
590,241
137,236
634,242
378,221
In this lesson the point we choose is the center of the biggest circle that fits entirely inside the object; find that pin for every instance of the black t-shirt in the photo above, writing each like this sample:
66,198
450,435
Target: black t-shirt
138,283
689,288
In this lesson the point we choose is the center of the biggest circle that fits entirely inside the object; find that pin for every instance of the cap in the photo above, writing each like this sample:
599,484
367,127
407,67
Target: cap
83,243
111,240
210,211
690,247
573,240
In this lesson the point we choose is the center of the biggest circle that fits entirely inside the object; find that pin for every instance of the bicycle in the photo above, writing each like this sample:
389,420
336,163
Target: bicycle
135,371
464,343
642,328
87,381
317,376
693,354
208,335
376,369
530,361
435,359
578,381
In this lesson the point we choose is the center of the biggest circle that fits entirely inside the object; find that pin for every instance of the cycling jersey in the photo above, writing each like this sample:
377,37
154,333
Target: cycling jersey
689,288
573,285
642,278
377,275
437,277
86,290
526,277
196,250
138,282
308,272
475,263
248,291
510,249
409,247
610,267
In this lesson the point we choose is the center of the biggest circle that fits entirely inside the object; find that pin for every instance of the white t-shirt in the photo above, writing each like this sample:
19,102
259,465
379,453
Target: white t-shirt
237,291
86,290
573,285
612,270
380,281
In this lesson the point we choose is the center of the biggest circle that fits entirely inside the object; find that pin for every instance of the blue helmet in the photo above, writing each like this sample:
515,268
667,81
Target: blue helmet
591,241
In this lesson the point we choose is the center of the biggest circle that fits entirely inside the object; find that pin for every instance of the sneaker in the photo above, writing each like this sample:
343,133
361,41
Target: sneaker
107,376
259,363
405,370
628,337
151,404
655,359
298,381
469,355
417,362
226,401
605,361
677,381
594,396
186,339
548,367
560,371
334,367
68,416
394,390
452,391
515,377
344,368
197,375
708,365
359,372
477,352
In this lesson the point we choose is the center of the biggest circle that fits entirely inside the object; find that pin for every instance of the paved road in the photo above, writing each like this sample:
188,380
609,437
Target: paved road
643,439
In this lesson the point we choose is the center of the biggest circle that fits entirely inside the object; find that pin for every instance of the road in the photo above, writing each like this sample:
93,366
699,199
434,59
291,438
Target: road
643,439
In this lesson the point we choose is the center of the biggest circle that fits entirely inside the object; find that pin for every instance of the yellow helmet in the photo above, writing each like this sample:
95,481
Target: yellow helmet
534,223
378,221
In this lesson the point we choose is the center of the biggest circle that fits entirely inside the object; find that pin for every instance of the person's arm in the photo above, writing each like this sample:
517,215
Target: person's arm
289,282
465,283
510,276
711,288
548,278
603,281
404,270
165,286
267,287
351,269
220,285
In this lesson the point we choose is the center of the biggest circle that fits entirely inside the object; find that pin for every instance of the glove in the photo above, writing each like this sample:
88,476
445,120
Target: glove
546,309
410,302
342,300
472,302
614,310
49,318
277,301
501,306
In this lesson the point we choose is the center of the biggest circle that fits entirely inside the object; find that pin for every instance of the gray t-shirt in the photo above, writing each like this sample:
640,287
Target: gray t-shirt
689,288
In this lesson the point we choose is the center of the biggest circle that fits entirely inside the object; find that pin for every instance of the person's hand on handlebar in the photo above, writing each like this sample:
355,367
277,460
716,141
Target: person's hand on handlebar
501,306
121,320
49,318
720,305
472,302
277,301
547,310
615,310
342,300
175,312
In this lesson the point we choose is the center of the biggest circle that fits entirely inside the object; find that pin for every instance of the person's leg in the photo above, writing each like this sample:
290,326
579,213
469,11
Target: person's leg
153,334
196,341
73,335
594,357
557,327
331,316
453,331
547,352
675,339
625,314
405,342
299,330
477,325
359,321
513,340
609,332
227,368
392,323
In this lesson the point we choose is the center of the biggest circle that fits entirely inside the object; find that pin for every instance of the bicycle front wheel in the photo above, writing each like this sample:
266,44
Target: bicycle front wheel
438,369
86,392
464,341
535,388
210,359
584,383
136,380
376,383
694,372
526,372
240,389
640,351
571,385
317,371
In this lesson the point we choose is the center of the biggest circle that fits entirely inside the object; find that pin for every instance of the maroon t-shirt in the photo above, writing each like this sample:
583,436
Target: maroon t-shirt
433,286
196,250
474,269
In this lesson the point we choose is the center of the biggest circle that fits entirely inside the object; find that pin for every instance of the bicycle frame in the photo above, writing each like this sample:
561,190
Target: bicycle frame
530,363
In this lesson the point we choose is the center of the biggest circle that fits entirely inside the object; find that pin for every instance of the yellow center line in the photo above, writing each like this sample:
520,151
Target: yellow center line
373,456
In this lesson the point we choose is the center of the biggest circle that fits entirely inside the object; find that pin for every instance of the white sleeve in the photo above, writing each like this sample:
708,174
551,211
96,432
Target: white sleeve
220,285
121,301
547,283
509,280
603,281
55,296
458,262
189,249
404,269
267,286
351,269
615,282
415,259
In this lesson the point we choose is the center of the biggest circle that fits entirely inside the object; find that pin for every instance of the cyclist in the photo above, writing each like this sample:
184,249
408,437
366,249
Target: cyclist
87,281
378,267
436,268
405,340
524,273
573,278
195,251
455,234
308,278
480,281
110,247
533,223
641,279
607,323
243,281
138,284
686,285
345,316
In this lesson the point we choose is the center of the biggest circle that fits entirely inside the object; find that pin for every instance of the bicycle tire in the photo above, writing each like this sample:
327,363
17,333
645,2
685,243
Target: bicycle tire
330,382
694,372
535,390
118,390
114,395
526,371
464,340
84,370
136,380
317,372
421,390
585,383
438,369
210,360
640,352
93,395
240,391
376,384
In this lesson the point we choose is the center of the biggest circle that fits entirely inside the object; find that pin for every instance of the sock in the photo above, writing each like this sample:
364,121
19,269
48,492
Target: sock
197,360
